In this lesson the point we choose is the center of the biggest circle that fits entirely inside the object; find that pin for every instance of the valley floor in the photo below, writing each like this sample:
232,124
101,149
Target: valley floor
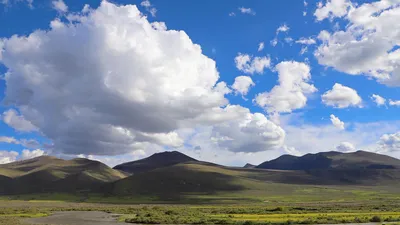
16,212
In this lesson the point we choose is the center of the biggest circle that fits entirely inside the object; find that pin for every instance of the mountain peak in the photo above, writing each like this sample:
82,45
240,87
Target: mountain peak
249,165
157,160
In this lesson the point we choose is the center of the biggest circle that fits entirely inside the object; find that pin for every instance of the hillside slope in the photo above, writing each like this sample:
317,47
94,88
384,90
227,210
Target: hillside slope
193,178
50,174
154,161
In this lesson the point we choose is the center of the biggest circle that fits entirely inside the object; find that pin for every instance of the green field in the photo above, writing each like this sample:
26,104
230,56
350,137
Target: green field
282,212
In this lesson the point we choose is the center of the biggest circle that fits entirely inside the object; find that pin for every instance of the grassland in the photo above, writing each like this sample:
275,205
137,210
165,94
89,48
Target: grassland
13,211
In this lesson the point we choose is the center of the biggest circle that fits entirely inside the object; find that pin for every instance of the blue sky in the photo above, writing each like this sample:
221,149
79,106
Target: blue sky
223,32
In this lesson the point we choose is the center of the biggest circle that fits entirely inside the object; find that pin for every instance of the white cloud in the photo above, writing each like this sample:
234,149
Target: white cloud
292,90
313,138
149,7
345,147
291,151
232,14
332,9
138,91
254,133
8,156
282,28
260,46
303,50
60,6
29,154
145,3
368,45
242,85
394,103
9,140
288,40
337,122
28,143
274,42
250,65
86,8
378,100
341,97
389,142
16,121
306,41
8,3
247,11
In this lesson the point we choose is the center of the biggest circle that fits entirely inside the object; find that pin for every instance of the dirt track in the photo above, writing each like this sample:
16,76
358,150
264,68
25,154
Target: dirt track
81,218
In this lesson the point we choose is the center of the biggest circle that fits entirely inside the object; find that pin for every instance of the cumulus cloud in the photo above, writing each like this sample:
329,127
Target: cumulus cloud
337,122
260,46
242,85
389,142
292,90
345,147
332,9
313,138
28,154
249,11
368,45
341,97
8,156
250,65
60,6
378,100
16,121
254,133
394,103
138,91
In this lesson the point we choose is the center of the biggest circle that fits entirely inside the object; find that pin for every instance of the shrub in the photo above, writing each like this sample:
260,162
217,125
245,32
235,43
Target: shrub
248,222
376,219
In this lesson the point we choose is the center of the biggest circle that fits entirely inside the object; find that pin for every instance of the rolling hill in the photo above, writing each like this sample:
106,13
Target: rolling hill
173,175
47,174
156,160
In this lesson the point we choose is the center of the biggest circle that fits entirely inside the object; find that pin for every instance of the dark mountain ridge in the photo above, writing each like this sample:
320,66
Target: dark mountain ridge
157,160
332,160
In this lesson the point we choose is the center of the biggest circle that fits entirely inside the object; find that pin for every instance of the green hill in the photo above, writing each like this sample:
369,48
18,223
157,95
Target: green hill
50,174
174,176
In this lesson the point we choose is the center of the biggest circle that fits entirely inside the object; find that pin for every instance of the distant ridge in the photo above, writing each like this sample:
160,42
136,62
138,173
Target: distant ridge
332,160
248,165
155,161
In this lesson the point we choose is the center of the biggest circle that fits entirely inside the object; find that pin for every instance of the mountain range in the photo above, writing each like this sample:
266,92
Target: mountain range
172,174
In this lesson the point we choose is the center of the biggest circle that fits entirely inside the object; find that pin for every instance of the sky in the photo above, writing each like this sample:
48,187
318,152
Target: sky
231,82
